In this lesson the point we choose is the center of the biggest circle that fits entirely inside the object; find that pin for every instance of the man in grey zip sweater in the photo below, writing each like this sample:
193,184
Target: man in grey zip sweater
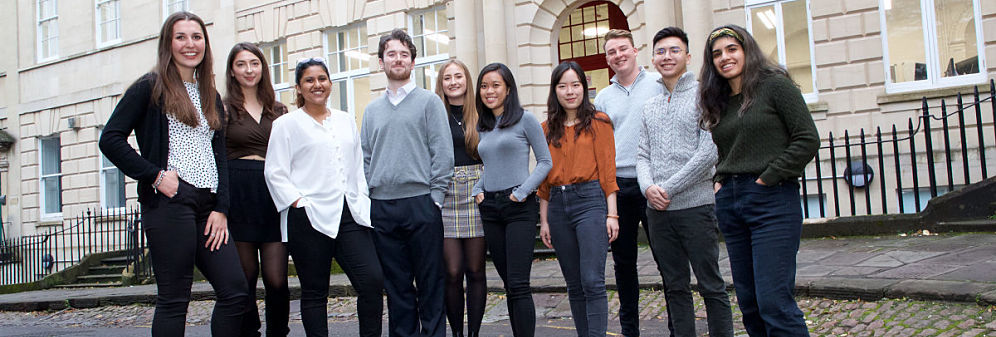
408,161
675,163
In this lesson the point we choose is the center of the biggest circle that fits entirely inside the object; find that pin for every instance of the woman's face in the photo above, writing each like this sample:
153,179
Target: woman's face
247,68
454,82
315,85
569,90
188,45
493,90
728,57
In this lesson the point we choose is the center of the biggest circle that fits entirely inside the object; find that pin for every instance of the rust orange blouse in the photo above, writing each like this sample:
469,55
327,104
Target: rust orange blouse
591,156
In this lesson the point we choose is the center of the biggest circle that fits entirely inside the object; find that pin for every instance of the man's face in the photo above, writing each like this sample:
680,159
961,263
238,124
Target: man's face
671,57
620,55
397,62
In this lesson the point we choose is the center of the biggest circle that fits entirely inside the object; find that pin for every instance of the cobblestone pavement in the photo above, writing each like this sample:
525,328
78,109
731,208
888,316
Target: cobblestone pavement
825,317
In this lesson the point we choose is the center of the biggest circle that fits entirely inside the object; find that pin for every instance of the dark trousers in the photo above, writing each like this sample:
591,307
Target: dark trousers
762,226
510,229
409,239
632,208
683,237
577,216
175,230
353,248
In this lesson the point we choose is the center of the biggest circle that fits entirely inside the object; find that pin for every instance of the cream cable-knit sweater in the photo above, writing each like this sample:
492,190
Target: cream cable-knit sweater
674,153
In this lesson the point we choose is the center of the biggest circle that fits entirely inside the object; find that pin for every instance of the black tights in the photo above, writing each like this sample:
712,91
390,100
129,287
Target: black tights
273,258
465,257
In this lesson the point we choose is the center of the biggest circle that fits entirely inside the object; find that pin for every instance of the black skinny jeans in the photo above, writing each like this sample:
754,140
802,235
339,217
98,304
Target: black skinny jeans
353,248
510,229
175,230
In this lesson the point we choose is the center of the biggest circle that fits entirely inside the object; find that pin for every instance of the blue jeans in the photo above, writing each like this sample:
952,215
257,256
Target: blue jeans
762,226
690,236
577,215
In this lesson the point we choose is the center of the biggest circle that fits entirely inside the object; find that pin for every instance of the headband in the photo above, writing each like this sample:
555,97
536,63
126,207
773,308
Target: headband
725,32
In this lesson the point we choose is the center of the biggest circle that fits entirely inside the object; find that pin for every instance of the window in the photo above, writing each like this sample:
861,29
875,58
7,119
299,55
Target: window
931,43
173,6
108,22
112,185
583,34
909,198
432,45
349,65
782,30
812,204
48,29
50,177
281,74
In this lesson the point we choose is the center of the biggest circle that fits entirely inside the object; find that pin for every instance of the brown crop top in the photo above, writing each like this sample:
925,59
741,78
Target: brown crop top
245,137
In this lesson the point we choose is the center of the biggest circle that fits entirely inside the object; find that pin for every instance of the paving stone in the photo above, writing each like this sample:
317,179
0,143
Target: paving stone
882,261
982,272
965,256
915,271
908,256
939,290
846,258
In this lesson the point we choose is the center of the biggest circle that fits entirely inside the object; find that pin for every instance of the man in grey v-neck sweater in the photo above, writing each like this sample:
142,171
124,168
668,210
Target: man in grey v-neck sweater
408,161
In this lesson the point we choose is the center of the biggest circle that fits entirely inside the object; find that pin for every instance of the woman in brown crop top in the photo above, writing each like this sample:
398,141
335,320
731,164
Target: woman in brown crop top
253,219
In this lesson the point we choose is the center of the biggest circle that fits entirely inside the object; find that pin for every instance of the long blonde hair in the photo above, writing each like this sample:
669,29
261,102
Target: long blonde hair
470,135
168,87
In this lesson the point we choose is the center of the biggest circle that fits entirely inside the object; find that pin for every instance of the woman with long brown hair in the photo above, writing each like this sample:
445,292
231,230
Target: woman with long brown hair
765,137
463,233
255,225
578,215
182,175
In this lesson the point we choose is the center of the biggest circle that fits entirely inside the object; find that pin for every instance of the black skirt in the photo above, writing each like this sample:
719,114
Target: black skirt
252,217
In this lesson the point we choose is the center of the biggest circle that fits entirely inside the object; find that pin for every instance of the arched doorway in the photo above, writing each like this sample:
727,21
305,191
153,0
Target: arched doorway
582,38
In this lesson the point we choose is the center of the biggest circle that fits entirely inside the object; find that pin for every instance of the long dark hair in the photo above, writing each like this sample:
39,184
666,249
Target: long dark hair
556,115
512,107
299,72
235,100
714,89
168,87
470,135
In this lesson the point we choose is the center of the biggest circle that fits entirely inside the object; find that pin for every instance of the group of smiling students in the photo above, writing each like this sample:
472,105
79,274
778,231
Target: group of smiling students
243,168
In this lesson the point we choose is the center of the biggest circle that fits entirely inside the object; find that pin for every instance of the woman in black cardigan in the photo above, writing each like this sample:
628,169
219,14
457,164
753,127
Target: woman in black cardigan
182,176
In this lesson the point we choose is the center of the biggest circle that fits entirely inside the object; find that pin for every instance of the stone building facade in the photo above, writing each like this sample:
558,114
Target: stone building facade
861,63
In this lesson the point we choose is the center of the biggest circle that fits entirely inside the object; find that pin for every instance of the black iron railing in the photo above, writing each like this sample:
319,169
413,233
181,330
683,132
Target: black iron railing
897,171
32,257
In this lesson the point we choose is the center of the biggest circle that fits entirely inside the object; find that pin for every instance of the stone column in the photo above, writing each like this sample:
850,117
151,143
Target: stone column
465,36
659,14
495,45
697,17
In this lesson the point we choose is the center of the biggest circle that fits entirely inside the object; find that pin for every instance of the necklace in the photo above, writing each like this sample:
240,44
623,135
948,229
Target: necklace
459,122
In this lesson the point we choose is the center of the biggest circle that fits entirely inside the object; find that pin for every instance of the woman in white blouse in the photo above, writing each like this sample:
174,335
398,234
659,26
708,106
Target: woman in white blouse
314,169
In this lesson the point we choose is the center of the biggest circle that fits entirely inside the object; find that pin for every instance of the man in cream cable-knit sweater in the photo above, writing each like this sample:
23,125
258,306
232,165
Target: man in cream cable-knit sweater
674,166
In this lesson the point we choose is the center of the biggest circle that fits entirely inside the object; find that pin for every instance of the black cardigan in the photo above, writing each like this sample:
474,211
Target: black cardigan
136,112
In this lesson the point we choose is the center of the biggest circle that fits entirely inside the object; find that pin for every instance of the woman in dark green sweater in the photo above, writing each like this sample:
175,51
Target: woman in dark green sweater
765,136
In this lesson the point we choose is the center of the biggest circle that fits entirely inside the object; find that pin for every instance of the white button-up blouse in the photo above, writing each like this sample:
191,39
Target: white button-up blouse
319,163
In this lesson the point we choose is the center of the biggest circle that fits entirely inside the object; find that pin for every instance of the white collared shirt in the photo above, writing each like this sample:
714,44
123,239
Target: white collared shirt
319,163
396,97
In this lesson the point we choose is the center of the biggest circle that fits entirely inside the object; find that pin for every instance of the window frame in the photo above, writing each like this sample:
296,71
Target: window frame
53,39
934,79
439,57
103,185
166,3
99,21
348,76
43,215
811,97
287,85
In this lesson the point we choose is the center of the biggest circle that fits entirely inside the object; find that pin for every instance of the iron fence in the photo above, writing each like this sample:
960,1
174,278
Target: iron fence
30,258
913,165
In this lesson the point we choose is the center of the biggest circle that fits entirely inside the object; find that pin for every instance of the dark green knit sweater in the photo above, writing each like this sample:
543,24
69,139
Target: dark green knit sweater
774,139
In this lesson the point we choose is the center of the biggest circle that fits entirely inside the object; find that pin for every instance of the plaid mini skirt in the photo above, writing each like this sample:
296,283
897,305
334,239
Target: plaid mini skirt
461,218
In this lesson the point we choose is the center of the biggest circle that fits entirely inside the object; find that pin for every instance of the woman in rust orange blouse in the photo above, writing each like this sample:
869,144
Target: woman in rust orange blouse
578,216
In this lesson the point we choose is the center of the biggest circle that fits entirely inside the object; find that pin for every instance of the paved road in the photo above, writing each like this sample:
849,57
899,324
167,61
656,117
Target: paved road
825,317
